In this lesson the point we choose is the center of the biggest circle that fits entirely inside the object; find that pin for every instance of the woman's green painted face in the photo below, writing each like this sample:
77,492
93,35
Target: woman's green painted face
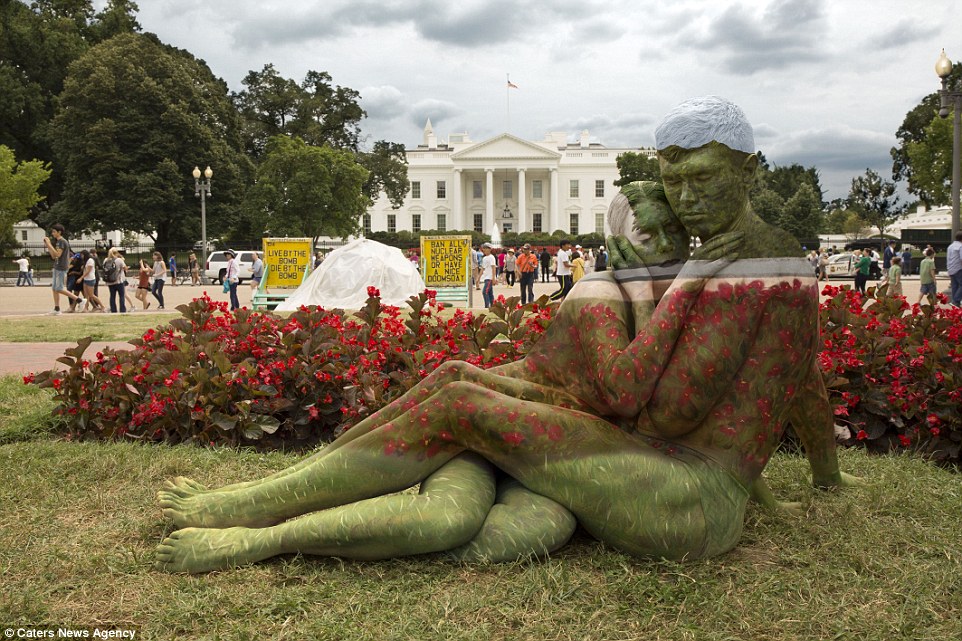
662,237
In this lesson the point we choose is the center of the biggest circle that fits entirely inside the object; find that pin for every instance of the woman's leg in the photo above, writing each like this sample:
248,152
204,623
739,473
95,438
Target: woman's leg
158,291
506,379
623,491
449,510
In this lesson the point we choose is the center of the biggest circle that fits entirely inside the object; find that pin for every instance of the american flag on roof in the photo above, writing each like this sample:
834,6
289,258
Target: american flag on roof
511,85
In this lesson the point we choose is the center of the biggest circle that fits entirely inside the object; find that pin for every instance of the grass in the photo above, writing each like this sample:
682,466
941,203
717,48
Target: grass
73,327
80,524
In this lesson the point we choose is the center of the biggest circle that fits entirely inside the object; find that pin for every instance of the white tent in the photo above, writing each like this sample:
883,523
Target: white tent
344,276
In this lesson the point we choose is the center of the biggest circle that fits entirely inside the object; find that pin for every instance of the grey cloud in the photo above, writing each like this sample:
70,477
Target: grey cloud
786,32
384,102
901,33
465,24
629,130
436,110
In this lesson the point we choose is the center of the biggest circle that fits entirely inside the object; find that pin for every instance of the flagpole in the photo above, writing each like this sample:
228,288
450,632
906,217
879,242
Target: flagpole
507,103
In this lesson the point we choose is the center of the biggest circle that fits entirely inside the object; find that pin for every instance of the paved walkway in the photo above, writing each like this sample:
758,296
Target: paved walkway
23,358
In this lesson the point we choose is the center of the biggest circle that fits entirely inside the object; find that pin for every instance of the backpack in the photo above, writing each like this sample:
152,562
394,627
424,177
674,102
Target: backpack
111,271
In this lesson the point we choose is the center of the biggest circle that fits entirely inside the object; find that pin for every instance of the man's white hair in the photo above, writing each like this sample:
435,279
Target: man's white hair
699,121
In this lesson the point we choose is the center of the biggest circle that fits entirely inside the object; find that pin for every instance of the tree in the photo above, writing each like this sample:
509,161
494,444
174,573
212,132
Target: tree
134,118
634,166
37,44
931,162
387,167
19,188
802,214
768,205
875,200
314,110
318,113
303,190
913,130
786,181
854,226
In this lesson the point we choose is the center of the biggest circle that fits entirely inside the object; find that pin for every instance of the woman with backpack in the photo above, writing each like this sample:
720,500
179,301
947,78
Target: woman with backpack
114,276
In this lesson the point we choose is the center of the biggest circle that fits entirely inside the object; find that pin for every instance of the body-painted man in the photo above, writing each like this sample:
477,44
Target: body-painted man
654,453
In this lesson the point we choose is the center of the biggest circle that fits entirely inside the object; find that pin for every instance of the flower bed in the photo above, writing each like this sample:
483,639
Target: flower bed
894,371
243,378
214,377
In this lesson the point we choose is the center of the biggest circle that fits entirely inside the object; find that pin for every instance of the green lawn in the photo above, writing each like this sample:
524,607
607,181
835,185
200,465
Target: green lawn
80,524
101,327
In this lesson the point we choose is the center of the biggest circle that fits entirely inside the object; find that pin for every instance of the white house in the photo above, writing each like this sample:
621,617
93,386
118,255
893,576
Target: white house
504,184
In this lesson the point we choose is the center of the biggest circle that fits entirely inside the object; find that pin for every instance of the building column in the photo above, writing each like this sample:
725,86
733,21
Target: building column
489,201
553,205
522,205
457,208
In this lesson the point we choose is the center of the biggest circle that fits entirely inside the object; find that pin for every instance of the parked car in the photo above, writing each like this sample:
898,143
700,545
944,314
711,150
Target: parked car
843,266
217,266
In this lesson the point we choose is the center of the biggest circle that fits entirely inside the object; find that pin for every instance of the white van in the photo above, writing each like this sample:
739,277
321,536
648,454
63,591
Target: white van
217,265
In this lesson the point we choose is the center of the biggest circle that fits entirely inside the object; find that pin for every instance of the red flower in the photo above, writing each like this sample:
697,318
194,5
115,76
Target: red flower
28,379
862,435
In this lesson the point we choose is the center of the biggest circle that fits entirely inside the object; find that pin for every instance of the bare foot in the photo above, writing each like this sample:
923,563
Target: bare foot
202,549
207,510
183,486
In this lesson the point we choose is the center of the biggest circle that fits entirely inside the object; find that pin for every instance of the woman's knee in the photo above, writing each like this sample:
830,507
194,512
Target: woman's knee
458,498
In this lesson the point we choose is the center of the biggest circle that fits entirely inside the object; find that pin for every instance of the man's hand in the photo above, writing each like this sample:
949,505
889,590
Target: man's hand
722,246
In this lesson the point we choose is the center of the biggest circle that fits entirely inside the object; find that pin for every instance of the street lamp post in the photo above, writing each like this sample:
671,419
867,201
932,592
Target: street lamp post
202,190
952,99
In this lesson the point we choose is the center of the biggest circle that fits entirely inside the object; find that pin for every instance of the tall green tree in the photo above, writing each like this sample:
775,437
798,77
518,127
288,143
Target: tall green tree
319,113
386,164
875,200
914,130
19,188
931,162
633,166
304,190
802,214
38,41
134,118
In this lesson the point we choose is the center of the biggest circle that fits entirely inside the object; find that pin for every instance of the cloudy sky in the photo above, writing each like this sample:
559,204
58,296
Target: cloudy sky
825,83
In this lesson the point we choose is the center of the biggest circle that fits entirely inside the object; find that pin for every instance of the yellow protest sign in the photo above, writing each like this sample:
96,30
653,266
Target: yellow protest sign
286,259
444,260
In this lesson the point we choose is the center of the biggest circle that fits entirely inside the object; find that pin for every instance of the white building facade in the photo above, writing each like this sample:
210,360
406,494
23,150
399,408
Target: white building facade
504,184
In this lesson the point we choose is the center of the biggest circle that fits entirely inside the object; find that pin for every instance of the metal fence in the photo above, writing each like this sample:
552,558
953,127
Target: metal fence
42,264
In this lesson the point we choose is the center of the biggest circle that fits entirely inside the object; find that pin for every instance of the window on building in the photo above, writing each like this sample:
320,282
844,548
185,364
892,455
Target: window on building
536,223
476,190
392,223
367,224
415,189
536,189
573,225
415,223
478,222
442,222
600,222
599,189
442,189
23,234
573,188
507,189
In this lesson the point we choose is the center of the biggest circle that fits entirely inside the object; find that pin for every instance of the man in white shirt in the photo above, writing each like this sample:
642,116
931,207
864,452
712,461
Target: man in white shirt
563,270
488,267
23,274
953,265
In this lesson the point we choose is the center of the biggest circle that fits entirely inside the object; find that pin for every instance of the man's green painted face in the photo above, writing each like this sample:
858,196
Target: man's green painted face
662,236
708,188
